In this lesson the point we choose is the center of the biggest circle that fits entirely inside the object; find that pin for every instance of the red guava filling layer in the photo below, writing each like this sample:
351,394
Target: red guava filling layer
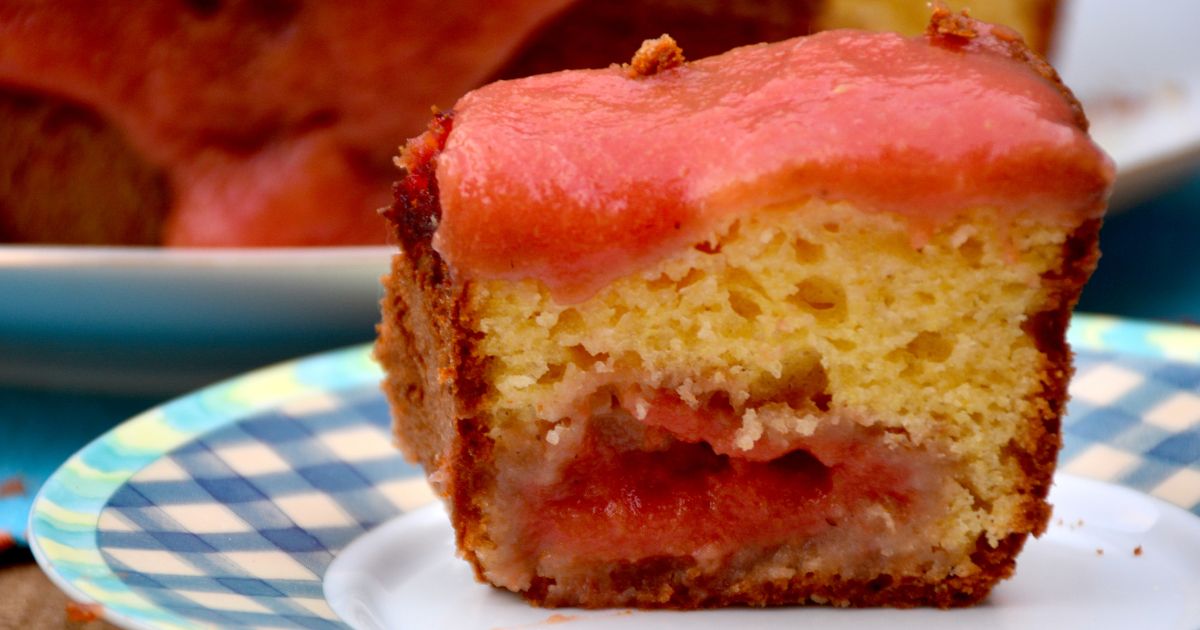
661,493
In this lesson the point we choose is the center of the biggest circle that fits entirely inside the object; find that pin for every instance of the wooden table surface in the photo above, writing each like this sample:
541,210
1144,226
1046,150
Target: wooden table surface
29,601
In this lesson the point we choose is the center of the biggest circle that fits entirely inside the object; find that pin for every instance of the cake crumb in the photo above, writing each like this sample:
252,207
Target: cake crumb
944,23
558,618
1137,551
83,613
12,487
655,56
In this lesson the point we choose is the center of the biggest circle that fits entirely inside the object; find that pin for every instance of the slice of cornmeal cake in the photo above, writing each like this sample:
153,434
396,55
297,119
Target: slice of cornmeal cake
784,325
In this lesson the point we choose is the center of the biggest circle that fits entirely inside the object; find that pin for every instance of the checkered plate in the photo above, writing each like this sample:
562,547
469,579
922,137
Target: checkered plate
225,507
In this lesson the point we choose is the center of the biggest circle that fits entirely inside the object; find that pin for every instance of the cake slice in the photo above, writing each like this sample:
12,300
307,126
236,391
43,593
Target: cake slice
779,326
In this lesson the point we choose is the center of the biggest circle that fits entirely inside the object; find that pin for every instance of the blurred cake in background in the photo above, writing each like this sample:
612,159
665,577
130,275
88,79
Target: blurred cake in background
55,155
1034,19
591,33
272,122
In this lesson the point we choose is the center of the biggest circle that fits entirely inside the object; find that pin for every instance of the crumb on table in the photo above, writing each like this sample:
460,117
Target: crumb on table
12,487
83,613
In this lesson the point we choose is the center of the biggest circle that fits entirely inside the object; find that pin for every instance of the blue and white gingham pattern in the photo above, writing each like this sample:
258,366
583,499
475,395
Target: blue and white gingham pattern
224,508
237,527
1135,422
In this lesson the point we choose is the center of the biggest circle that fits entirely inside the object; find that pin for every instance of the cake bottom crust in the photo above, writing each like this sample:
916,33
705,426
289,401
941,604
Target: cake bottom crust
675,583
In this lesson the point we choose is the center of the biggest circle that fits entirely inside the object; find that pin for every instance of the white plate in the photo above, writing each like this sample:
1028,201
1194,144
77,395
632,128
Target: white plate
1082,573
1136,67
161,321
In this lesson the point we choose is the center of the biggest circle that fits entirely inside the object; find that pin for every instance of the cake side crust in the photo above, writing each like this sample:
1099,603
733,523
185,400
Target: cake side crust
434,376
1048,328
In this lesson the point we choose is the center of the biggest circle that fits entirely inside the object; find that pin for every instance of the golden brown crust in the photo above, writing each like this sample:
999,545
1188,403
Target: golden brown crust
1049,329
434,379
421,310
433,383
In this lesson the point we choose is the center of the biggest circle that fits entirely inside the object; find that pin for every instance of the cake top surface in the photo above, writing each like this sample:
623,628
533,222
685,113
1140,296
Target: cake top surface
580,177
